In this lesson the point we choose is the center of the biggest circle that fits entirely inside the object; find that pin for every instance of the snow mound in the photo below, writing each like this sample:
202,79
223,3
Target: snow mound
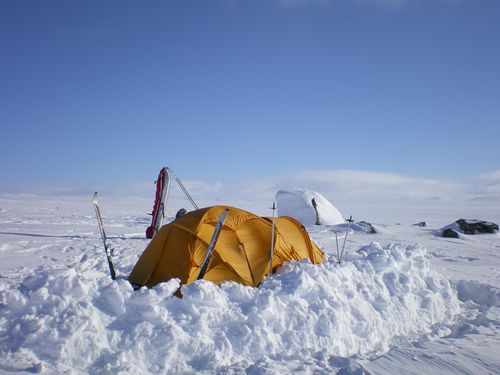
59,321
358,227
298,204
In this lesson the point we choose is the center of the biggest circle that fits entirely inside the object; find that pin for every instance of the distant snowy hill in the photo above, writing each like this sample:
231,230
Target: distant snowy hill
299,204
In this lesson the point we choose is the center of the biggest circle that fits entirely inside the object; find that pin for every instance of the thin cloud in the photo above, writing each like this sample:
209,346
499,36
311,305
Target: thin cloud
336,185
488,186
343,185
375,185
493,176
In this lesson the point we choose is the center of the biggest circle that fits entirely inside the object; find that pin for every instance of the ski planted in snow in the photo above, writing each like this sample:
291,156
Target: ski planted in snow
162,188
107,248
213,241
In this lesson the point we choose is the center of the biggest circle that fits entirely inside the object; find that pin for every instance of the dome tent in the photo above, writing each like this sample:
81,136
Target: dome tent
241,253
308,207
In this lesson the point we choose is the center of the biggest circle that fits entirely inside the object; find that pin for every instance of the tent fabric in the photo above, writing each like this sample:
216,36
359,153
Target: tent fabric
241,253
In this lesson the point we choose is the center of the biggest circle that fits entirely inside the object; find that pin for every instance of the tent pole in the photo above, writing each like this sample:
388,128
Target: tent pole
183,188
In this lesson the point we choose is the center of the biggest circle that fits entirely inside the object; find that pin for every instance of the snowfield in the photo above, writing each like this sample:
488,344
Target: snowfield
404,300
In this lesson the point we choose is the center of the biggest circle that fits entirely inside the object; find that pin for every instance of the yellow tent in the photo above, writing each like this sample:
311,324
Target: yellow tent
241,253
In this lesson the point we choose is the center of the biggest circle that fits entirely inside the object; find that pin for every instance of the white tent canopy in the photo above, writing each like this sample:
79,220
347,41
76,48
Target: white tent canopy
299,204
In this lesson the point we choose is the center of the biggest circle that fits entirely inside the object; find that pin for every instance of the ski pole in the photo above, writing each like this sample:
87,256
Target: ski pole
272,242
345,238
337,242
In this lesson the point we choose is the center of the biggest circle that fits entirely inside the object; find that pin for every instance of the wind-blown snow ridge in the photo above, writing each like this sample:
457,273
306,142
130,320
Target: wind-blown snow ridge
63,320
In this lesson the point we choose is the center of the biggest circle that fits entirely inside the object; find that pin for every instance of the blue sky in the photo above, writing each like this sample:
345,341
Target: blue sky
96,92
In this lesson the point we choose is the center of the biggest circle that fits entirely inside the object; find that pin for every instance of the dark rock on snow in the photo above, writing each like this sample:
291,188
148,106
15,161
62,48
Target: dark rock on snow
476,226
450,233
421,224
367,227
467,226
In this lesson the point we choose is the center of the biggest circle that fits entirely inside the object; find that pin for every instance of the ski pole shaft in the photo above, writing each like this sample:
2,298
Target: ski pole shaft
337,242
272,241
345,238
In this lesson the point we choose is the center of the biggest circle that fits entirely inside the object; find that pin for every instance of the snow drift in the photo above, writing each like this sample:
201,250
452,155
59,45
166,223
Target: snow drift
61,320
298,204
60,313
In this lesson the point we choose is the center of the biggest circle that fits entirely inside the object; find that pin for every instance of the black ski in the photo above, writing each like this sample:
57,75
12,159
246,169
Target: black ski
213,241
103,235
158,214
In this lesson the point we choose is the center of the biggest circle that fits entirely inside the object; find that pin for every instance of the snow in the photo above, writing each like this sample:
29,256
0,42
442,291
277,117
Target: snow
404,300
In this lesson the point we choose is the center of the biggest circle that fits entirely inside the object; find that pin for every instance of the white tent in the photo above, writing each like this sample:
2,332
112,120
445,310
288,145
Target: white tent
300,204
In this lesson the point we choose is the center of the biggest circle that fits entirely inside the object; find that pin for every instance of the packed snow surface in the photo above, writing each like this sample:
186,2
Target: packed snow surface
392,305
298,203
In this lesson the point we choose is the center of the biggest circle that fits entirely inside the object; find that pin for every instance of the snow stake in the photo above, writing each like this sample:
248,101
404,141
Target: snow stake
211,246
272,241
107,249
